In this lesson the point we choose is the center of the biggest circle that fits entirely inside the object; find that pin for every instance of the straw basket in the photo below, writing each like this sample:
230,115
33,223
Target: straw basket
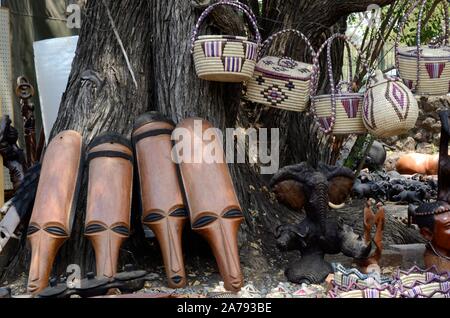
225,58
281,82
340,112
427,73
390,108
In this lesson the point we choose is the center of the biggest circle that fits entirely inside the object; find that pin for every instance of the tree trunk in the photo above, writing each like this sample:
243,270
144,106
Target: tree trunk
101,96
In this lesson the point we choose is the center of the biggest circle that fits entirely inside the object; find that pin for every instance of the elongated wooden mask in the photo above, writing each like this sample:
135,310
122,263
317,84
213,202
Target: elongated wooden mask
164,211
214,208
55,204
108,211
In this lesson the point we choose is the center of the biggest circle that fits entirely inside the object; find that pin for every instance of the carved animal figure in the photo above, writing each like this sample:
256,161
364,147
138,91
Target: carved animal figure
321,232
410,196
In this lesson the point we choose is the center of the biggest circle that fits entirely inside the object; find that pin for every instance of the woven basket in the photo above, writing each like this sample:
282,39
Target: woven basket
427,73
281,82
390,108
340,112
225,58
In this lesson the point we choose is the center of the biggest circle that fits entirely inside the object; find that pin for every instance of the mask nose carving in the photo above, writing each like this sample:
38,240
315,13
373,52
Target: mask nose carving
107,252
40,268
214,208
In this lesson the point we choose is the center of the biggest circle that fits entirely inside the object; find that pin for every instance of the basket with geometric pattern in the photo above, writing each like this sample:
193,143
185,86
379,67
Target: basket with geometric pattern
281,82
340,112
426,73
390,108
225,58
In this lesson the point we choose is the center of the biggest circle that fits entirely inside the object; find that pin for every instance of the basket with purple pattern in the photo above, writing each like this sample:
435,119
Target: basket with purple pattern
424,69
390,108
281,82
340,112
416,277
225,58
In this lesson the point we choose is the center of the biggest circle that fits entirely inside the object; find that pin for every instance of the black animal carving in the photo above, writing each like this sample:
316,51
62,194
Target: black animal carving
390,186
408,197
395,190
321,232
362,190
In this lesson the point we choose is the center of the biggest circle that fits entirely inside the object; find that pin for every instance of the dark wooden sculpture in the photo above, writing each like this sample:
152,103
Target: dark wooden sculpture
53,212
215,211
163,208
13,156
110,159
321,232
25,91
433,218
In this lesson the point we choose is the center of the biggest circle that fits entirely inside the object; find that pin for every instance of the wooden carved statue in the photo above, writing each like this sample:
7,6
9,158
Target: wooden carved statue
433,218
215,212
54,207
164,211
110,158
316,190
371,219
25,91
13,156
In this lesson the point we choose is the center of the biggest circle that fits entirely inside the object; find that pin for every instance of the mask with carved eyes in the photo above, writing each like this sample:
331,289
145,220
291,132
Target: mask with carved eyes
54,206
109,199
163,209
215,212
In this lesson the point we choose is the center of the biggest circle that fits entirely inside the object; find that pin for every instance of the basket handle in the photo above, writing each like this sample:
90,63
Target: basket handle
233,3
267,43
419,33
334,88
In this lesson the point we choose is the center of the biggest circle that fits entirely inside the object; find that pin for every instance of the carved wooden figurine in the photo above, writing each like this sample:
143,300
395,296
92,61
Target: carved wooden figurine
214,207
164,211
371,263
108,211
53,212
433,218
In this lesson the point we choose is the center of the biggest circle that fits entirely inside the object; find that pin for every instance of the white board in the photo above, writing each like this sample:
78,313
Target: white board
53,61
6,81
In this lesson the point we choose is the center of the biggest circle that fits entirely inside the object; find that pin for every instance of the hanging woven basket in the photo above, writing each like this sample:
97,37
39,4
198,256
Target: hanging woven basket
225,58
338,113
281,82
424,69
390,108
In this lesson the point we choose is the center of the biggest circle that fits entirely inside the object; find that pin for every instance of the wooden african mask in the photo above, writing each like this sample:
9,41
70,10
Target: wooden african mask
214,208
54,206
109,199
164,211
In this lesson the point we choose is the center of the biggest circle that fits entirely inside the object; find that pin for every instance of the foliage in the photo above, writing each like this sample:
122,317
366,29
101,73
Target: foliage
432,25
